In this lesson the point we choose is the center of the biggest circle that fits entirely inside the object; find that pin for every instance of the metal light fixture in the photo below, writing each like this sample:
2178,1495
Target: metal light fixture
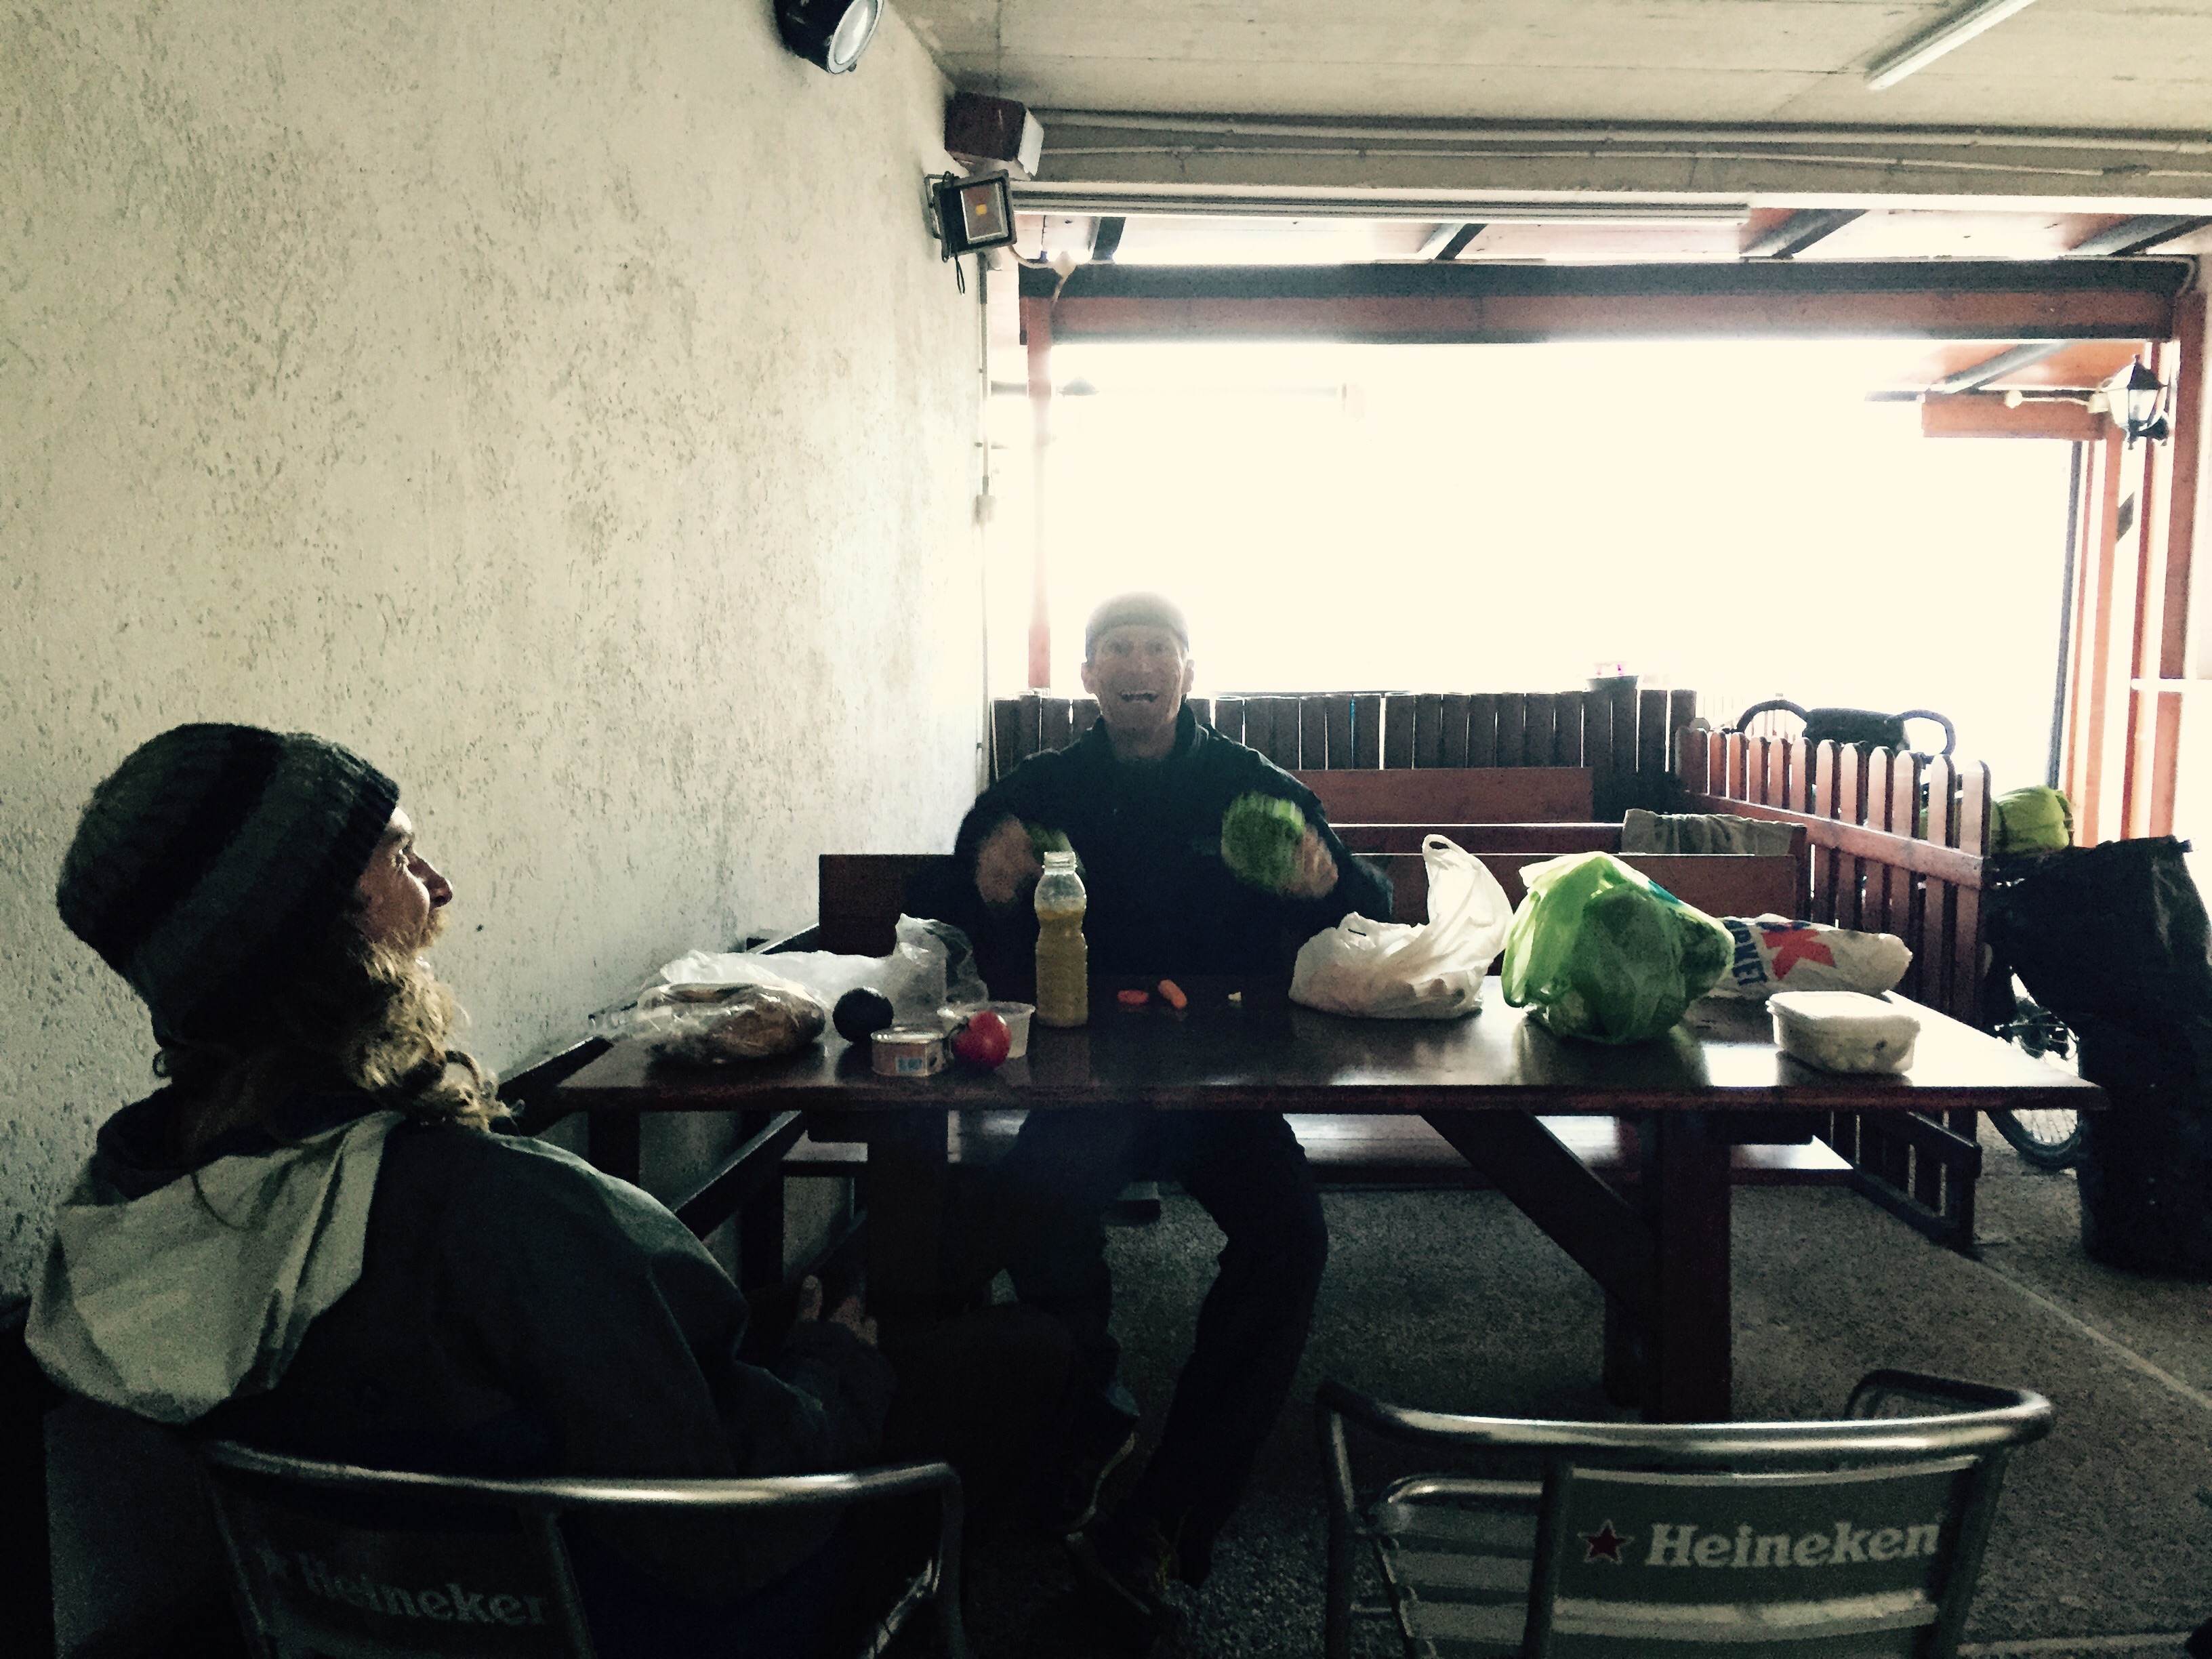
2140,403
1948,35
831,34
969,214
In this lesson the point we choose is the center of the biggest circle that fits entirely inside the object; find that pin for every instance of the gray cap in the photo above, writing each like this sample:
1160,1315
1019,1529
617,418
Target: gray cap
1124,610
214,858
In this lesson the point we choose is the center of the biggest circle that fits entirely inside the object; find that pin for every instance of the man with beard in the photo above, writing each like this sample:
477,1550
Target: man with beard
1141,798
309,1240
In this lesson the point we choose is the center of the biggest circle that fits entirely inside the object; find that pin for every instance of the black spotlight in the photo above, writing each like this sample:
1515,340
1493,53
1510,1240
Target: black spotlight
970,213
830,34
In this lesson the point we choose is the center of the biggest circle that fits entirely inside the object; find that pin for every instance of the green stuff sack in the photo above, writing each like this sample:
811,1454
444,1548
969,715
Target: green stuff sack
1259,837
1602,952
2031,820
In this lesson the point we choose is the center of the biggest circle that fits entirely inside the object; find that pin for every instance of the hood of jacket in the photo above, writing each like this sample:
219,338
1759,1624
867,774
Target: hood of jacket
170,1287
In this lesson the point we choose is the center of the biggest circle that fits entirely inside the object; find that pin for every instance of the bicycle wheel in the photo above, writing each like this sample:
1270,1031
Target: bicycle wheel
2048,1137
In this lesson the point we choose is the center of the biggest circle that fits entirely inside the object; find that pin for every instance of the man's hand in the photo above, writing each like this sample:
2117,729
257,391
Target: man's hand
1315,875
852,1313
1006,864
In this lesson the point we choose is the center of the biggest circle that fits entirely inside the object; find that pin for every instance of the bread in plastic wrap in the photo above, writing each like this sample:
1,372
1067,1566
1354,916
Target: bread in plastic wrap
713,1024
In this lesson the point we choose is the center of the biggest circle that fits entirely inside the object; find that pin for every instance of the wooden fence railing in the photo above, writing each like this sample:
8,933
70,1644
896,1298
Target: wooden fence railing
1623,733
1896,843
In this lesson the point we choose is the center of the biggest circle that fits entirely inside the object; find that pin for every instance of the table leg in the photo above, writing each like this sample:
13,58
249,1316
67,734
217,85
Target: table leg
760,1220
904,1188
1608,1238
612,1144
1687,1347
1622,1375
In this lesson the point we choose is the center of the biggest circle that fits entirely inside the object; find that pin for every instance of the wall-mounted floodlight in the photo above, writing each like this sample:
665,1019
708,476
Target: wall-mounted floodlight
1948,35
970,213
829,33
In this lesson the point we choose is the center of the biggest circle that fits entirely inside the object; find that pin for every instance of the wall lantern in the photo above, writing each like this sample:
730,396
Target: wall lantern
970,213
2140,403
829,33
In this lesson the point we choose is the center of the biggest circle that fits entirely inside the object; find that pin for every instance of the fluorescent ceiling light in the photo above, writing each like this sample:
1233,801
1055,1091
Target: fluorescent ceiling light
1032,197
1953,31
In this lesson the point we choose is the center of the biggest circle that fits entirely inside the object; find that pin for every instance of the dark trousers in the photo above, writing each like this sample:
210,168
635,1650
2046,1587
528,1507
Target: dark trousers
1037,1214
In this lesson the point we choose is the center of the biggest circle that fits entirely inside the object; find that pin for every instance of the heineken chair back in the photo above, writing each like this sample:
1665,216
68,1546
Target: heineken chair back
1855,1539
330,1561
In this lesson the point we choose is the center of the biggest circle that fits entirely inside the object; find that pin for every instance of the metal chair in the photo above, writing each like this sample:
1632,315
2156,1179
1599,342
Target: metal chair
345,1563
1862,1535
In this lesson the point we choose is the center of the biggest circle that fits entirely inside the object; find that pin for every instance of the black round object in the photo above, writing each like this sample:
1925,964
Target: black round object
829,33
860,1013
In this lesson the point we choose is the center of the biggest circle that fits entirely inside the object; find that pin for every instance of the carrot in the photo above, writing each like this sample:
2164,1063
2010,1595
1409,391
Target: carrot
1133,999
1171,993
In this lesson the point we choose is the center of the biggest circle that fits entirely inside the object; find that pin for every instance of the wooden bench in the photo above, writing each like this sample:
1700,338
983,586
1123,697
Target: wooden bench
1385,1153
1896,843
861,896
1466,795
1623,733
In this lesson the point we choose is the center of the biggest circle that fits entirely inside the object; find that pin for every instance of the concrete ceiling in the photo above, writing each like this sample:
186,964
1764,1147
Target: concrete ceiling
2096,66
2061,106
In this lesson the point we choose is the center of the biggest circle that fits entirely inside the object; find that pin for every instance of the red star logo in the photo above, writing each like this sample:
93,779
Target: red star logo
1605,1545
1791,945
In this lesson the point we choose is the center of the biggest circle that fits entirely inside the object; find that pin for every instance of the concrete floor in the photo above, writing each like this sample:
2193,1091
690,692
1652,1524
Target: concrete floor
2103,1542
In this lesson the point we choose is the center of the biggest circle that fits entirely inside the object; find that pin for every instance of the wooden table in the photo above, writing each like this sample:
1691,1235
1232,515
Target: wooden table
1660,1251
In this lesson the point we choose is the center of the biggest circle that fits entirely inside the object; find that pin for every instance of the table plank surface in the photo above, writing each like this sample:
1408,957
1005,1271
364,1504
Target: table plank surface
1275,1056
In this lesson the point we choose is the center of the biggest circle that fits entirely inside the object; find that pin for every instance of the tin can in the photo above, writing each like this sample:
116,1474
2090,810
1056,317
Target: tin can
908,1051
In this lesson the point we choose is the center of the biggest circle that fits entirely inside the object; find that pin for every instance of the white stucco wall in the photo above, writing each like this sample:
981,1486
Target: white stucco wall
561,403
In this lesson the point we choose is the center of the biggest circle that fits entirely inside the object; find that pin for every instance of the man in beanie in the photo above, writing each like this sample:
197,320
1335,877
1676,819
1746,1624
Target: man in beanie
308,1240
1140,797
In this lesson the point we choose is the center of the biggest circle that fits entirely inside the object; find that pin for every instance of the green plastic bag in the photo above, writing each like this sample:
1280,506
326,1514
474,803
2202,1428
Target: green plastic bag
2031,820
1605,953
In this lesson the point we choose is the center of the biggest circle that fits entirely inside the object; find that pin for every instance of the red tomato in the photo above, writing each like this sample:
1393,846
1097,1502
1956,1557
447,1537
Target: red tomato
983,1041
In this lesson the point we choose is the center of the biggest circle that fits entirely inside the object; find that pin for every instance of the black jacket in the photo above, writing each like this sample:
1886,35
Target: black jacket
1148,834
520,1312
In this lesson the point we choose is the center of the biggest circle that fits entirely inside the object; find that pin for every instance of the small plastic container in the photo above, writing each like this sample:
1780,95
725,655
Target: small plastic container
1016,1015
1844,1031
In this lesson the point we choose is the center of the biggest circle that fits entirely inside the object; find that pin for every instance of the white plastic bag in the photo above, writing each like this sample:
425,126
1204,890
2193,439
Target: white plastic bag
930,966
1773,953
1397,970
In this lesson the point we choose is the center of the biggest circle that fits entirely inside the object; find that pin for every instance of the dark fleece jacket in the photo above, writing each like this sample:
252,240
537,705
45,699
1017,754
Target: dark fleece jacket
520,1312
1148,834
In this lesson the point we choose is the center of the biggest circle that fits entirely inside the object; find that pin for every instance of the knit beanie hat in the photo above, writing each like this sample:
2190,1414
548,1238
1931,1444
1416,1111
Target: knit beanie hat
1152,610
214,858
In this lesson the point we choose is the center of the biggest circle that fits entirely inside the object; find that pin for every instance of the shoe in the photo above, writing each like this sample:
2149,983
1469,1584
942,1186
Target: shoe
1123,1567
1103,1435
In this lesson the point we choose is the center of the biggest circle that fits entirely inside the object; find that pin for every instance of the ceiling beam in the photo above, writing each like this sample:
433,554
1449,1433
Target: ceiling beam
1986,416
1449,240
1075,198
1477,302
1947,34
2137,235
1475,170
1800,231
1997,367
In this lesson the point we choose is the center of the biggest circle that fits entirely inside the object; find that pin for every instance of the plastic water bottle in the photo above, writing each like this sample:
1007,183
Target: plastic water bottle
1063,960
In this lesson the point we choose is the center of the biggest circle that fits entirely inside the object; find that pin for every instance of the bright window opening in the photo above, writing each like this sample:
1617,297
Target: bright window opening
1734,517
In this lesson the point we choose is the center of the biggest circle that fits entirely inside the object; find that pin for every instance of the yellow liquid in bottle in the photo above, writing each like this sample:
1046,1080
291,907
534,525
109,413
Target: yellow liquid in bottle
1063,970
